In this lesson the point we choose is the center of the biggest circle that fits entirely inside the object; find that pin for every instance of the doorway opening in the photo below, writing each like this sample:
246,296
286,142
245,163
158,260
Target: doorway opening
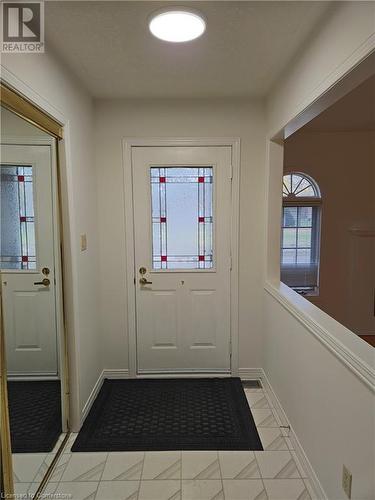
336,267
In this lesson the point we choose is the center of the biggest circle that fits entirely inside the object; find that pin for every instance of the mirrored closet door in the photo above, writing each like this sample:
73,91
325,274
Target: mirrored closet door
31,298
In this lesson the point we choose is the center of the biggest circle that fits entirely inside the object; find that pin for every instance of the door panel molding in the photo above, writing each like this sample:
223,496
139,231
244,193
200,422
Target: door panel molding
128,143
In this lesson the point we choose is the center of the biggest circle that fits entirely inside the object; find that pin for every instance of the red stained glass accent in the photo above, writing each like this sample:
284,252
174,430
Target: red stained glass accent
164,258
200,219
21,178
200,179
163,219
25,258
201,258
162,180
22,219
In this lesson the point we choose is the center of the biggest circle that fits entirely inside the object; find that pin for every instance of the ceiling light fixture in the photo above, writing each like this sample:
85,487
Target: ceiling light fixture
177,25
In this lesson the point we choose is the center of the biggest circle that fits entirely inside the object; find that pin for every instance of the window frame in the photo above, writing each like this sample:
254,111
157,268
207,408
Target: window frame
291,200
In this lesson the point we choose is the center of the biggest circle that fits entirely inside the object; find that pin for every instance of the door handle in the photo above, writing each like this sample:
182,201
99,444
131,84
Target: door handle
44,282
143,281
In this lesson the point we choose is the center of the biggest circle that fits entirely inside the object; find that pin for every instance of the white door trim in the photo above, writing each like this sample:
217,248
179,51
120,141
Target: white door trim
127,144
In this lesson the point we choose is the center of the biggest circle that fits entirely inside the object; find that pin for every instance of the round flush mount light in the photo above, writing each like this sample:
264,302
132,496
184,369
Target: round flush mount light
177,25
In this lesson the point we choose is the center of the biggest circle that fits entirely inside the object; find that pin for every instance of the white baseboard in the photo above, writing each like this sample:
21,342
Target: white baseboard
92,397
250,373
200,374
300,452
117,373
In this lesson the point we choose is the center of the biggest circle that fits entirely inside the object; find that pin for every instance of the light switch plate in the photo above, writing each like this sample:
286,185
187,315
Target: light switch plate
83,242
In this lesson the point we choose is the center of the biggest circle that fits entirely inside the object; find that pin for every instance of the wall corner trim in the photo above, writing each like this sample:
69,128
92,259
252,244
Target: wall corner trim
360,368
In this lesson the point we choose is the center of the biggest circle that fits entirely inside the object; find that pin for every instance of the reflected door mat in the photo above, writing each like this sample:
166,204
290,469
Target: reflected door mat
34,415
169,414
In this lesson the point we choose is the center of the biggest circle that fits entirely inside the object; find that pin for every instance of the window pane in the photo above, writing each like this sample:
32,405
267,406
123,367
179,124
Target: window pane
297,181
182,200
299,185
288,257
305,191
304,237
304,256
287,184
305,216
17,218
289,238
290,216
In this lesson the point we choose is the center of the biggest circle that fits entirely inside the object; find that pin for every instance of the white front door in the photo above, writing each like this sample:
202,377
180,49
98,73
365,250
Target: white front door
182,215
27,260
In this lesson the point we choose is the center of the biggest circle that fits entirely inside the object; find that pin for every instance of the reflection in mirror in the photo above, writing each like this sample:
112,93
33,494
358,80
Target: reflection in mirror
30,281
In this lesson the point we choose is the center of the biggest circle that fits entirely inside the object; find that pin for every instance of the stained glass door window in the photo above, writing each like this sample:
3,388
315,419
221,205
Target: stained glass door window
17,245
182,217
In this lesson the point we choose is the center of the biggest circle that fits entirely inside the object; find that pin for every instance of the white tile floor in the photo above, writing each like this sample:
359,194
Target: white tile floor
188,475
30,468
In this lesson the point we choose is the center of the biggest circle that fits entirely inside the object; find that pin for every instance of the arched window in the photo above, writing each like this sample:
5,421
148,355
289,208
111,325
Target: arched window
300,238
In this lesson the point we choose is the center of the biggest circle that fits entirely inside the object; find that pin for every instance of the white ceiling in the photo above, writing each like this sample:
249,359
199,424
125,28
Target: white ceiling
246,47
353,112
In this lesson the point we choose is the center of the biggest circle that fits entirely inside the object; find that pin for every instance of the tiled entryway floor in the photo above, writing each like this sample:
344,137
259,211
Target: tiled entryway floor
274,473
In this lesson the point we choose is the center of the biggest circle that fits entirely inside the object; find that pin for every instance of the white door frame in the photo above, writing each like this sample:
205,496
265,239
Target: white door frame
127,144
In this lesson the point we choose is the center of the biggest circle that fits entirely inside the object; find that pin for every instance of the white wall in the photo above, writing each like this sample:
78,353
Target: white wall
47,77
169,118
330,408
345,36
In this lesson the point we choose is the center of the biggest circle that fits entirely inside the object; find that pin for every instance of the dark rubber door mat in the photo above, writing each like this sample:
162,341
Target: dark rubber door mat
34,415
169,414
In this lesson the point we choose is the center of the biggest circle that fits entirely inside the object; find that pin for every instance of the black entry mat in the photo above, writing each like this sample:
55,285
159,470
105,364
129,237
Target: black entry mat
35,415
169,414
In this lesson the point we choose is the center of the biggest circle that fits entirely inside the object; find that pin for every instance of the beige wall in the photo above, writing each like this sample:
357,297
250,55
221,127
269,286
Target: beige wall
343,165
200,118
44,75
